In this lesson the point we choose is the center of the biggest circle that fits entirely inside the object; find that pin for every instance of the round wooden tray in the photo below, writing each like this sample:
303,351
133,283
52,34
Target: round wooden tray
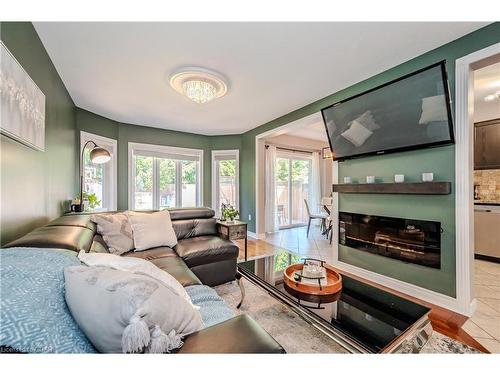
332,286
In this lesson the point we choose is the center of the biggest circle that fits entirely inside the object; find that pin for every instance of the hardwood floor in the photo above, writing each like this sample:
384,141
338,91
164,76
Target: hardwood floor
443,321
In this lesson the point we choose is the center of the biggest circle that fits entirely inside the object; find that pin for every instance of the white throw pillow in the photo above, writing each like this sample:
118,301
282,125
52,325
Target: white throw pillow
357,134
116,231
152,229
433,109
121,312
137,266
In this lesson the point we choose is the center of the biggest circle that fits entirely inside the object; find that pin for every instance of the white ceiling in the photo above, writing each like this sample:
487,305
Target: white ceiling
486,82
120,70
311,127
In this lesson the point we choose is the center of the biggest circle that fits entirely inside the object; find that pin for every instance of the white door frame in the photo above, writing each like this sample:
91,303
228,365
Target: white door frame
464,165
297,124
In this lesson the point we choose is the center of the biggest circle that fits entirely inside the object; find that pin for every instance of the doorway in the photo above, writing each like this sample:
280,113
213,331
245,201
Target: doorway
292,178
477,198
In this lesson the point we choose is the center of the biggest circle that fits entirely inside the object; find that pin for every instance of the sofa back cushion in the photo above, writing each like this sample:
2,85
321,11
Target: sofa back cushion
194,227
77,232
191,213
74,238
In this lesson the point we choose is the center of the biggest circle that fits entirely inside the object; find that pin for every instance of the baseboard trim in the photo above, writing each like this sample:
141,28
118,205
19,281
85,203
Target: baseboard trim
487,257
423,294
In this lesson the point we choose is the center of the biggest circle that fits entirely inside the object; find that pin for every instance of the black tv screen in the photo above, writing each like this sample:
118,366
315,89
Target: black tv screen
408,113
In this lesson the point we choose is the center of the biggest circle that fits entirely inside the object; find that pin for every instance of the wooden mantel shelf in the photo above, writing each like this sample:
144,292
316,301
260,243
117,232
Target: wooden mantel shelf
427,188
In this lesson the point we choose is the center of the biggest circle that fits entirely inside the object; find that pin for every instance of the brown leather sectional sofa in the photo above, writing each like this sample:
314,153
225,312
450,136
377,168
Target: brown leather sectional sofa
200,257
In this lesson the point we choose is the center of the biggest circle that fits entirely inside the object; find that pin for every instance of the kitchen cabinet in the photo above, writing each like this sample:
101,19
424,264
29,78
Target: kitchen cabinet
487,144
487,231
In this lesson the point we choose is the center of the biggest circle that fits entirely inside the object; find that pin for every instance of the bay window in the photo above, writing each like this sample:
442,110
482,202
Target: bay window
164,177
225,179
99,180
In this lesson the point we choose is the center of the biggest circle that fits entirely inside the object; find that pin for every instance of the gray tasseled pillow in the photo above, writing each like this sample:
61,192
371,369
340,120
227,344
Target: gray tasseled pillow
124,312
116,232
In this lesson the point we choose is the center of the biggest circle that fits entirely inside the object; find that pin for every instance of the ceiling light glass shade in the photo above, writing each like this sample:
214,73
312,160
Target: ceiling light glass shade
198,84
99,155
199,91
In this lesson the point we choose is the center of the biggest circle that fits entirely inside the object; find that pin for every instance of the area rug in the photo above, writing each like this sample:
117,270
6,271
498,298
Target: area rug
295,335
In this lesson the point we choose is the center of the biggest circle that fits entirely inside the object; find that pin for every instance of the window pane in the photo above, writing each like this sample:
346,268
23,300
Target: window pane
143,197
189,178
300,190
93,182
167,183
283,259
227,182
282,194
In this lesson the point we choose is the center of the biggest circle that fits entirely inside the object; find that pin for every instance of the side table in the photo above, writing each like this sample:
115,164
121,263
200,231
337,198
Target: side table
234,230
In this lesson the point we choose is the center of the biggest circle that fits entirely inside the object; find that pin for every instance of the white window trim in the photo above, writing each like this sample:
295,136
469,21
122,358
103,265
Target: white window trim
113,144
230,154
161,151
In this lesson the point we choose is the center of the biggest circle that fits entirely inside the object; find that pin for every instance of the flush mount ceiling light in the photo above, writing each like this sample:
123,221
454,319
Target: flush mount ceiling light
198,84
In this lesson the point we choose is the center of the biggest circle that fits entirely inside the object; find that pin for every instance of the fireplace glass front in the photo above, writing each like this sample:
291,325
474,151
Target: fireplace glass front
408,240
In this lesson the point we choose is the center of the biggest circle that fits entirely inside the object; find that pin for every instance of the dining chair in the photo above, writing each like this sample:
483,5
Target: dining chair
312,216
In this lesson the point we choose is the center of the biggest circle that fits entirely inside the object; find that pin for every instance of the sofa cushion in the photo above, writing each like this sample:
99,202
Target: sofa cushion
154,253
191,213
240,334
166,259
205,249
187,228
98,245
74,220
74,238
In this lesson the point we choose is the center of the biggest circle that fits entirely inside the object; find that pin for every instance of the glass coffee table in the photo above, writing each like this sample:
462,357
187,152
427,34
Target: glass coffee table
361,318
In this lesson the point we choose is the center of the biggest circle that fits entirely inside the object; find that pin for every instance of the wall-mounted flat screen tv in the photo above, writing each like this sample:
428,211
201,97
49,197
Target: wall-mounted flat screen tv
408,113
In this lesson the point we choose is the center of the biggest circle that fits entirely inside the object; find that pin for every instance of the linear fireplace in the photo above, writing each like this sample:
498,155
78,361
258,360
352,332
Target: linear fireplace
408,240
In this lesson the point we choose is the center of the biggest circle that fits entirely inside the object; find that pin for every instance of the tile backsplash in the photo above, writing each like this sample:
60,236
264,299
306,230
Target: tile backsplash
489,185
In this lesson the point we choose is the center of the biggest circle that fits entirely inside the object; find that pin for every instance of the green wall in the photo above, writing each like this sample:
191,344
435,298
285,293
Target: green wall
439,160
125,133
35,184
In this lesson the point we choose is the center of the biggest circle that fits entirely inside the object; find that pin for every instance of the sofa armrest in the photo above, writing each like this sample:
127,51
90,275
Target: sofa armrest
240,334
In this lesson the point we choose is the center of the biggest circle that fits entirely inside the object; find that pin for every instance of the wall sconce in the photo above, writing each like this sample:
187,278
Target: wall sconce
327,153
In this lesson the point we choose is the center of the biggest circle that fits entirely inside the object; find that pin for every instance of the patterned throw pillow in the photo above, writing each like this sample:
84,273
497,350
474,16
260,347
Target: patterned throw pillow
116,231
123,312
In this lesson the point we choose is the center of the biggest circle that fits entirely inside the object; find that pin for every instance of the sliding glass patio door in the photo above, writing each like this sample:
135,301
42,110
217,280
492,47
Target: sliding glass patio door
292,178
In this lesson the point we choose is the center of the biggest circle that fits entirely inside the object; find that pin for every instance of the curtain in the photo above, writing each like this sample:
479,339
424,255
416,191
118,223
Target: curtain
271,207
315,183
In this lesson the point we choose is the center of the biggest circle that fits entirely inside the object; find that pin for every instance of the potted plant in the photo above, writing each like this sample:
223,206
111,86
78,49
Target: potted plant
229,213
90,201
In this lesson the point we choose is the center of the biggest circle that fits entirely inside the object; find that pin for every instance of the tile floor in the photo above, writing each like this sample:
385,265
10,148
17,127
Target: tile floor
484,325
296,240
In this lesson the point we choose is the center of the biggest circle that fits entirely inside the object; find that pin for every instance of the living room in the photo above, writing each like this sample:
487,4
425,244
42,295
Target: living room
293,194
